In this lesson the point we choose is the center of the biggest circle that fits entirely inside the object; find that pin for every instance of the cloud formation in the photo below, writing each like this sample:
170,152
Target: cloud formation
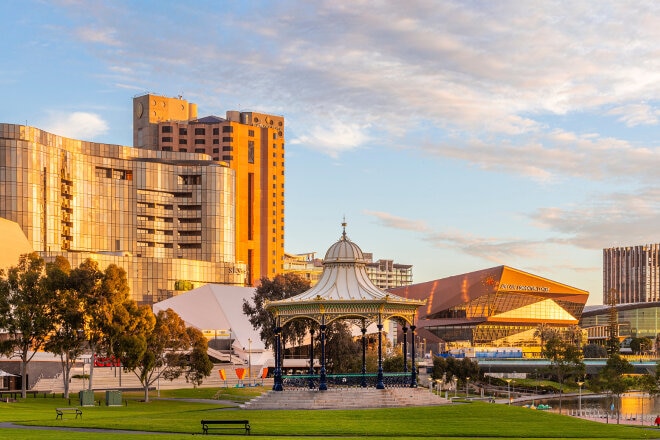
76,125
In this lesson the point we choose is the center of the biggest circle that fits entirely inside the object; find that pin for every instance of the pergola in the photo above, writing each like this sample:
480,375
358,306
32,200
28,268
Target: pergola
345,292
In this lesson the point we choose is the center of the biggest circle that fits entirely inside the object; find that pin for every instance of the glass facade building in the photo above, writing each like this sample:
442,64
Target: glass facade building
498,307
168,218
634,321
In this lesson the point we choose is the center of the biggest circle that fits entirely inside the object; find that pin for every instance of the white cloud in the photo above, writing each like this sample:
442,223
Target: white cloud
106,36
332,138
76,125
636,114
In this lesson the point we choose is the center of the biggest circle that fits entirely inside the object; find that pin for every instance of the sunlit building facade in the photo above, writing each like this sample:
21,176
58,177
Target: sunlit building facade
168,218
496,307
249,143
631,274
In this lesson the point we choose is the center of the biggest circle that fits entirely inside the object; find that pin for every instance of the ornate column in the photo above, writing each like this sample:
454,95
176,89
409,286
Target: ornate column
405,348
277,383
311,359
379,384
323,385
363,384
413,370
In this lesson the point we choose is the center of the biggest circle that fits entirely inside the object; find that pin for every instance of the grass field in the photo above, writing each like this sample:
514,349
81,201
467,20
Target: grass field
181,419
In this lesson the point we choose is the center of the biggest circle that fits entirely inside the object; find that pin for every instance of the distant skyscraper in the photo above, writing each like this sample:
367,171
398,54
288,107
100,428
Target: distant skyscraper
251,144
631,274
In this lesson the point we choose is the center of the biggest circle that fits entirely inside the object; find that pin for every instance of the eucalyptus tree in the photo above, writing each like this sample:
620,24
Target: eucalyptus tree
68,313
25,311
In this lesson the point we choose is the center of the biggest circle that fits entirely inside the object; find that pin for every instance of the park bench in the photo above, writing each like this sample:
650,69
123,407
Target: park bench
206,425
61,411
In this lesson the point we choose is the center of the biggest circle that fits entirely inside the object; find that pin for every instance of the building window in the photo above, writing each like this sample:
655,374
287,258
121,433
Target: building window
216,150
251,133
195,179
216,131
166,139
167,148
183,141
200,150
227,157
227,148
166,129
183,150
183,131
250,152
200,131
227,139
227,129
216,141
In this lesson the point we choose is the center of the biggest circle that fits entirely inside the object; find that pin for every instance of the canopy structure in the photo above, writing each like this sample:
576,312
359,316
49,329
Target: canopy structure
345,292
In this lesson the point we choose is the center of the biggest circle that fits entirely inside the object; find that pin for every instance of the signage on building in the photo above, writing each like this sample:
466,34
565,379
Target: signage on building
524,288
216,333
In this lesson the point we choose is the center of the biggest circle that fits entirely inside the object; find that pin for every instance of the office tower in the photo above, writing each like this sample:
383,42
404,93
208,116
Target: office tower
167,218
251,144
631,274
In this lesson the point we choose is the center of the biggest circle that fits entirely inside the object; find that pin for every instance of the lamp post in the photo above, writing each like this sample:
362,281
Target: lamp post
455,380
580,383
431,385
508,389
249,359
467,391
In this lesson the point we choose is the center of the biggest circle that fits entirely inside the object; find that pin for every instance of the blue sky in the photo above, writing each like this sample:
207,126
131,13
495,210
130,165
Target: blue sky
453,136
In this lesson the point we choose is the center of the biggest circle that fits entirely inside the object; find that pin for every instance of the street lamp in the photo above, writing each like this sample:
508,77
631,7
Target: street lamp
467,392
455,380
580,383
249,358
508,388
431,385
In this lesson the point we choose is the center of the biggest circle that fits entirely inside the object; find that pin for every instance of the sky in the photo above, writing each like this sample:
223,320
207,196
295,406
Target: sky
451,135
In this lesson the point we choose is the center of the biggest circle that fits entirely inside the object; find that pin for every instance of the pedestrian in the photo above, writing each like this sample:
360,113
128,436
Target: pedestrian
657,421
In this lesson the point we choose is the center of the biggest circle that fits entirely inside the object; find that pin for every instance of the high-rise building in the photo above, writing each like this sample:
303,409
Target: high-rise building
251,144
167,218
631,274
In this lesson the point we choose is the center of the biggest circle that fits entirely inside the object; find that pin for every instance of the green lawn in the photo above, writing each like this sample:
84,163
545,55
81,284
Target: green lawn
472,420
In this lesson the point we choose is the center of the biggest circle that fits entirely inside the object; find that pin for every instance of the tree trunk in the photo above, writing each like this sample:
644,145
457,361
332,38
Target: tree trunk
66,373
23,376
146,392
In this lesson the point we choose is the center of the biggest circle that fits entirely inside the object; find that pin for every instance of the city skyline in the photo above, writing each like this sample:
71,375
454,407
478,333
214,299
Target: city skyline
451,136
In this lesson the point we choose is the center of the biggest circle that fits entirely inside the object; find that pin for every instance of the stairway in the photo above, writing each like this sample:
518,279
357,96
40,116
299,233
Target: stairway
345,398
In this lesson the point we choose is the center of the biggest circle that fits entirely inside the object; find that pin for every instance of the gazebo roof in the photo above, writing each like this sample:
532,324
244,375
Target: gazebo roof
345,291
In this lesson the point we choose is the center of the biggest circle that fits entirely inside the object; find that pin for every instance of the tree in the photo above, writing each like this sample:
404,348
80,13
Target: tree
199,364
162,349
25,311
281,287
343,354
594,351
565,361
614,377
68,338
641,345
613,344
543,331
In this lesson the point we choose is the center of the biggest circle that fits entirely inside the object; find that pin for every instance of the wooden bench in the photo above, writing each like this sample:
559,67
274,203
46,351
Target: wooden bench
206,425
61,411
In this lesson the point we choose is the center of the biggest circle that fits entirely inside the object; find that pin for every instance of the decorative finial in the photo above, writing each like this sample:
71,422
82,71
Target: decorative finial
343,225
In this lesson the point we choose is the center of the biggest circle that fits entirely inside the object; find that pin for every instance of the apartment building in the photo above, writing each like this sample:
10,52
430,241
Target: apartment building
631,274
249,143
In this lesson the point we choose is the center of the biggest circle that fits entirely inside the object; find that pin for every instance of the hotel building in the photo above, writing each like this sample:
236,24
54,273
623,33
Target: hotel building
631,274
167,218
251,144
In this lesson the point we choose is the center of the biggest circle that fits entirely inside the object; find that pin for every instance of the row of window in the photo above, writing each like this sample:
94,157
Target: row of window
200,131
